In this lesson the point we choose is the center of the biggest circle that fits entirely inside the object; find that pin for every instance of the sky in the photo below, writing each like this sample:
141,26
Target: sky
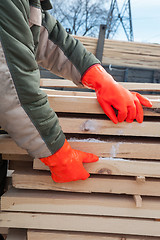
145,21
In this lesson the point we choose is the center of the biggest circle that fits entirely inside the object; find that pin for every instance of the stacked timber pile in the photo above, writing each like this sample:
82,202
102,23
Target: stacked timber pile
122,53
125,61
121,199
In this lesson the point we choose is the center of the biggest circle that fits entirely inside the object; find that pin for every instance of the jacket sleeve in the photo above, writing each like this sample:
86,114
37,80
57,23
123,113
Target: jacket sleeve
61,53
24,109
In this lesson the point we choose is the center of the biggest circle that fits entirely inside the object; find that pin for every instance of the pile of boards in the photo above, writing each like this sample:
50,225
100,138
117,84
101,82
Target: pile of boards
128,54
120,200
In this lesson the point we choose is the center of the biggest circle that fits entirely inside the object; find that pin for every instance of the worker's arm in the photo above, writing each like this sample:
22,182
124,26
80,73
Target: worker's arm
60,52
24,109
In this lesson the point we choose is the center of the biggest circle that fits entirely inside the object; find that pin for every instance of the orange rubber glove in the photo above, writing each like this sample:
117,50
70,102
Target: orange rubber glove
111,94
67,164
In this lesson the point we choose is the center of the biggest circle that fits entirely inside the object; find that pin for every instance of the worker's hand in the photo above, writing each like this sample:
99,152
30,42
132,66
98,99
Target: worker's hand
67,164
111,94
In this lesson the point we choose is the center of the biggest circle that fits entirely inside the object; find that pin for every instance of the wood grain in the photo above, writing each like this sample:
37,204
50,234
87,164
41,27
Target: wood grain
79,223
117,185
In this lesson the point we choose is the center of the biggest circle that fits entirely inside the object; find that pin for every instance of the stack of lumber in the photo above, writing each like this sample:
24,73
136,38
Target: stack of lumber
123,53
120,200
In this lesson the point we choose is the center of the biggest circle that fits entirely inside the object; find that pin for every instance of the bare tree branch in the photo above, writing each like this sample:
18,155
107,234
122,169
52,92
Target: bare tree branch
83,17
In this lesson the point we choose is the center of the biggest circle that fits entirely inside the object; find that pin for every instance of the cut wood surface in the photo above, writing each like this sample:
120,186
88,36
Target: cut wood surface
81,223
63,235
85,104
113,166
106,127
118,149
119,185
19,200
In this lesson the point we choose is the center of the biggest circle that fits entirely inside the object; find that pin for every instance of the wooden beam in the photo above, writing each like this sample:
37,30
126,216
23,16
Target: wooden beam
19,200
128,60
126,51
79,223
119,185
85,104
18,165
16,157
106,127
114,149
47,82
123,53
8,146
50,235
54,92
113,166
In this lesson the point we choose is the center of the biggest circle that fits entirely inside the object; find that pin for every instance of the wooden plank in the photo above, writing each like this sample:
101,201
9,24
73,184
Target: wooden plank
115,149
132,44
118,185
8,146
19,200
81,223
141,86
146,55
129,63
146,61
16,157
17,234
50,235
136,51
129,85
8,183
18,165
138,48
113,166
106,127
85,104
146,47
57,83
54,92
88,93
4,231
